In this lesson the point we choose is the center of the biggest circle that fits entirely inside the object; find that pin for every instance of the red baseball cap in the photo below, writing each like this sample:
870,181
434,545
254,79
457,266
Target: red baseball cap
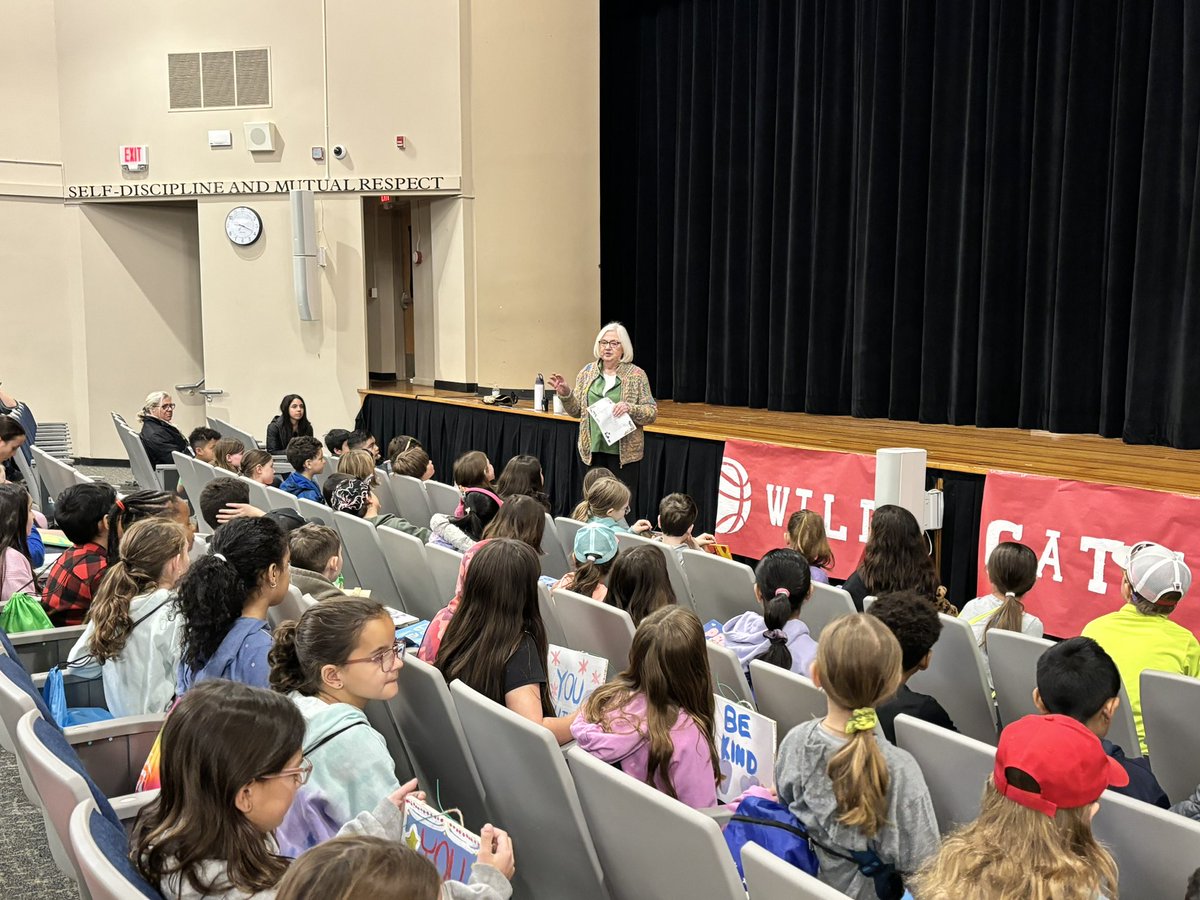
1066,760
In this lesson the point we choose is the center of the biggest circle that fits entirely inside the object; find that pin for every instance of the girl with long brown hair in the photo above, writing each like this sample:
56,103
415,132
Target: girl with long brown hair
896,558
639,583
16,522
655,720
806,534
131,638
851,790
1012,572
1040,800
496,641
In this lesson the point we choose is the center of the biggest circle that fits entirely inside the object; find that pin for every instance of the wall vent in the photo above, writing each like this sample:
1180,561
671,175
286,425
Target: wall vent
219,79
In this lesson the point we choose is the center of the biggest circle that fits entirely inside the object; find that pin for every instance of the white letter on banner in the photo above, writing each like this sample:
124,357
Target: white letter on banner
803,496
834,534
996,528
867,507
1050,555
777,498
1102,547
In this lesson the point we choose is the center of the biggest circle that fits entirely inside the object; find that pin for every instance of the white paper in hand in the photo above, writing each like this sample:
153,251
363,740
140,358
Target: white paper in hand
612,427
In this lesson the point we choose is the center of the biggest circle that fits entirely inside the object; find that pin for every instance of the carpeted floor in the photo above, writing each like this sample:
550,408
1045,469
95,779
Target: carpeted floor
26,867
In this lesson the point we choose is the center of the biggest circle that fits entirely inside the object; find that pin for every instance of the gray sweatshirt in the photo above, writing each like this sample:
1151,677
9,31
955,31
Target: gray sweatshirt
906,841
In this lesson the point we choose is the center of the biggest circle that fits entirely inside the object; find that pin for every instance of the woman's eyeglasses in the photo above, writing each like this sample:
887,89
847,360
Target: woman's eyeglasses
385,659
300,773
613,344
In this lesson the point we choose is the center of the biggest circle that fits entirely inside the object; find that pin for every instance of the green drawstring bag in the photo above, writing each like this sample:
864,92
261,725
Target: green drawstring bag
23,613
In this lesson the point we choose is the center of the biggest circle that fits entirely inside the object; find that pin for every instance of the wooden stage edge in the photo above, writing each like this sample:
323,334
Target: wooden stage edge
958,448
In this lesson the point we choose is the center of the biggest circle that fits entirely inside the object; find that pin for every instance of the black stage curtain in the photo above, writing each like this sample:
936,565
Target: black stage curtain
964,211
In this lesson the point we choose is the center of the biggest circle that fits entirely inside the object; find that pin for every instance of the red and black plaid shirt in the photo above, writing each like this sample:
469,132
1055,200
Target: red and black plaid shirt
72,581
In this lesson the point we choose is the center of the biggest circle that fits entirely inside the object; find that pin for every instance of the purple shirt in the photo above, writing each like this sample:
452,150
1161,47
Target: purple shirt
746,636
819,574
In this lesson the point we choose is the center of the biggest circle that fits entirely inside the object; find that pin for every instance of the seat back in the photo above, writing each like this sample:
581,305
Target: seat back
139,461
232,431
727,675
383,493
33,482
311,509
554,561
649,844
554,630
444,565
955,768
277,498
433,736
51,473
101,851
443,498
530,792
409,495
567,529
1013,659
291,608
17,695
956,679
1155,849
826,604
259,498
193,484
679,582
786,697
721,588
45,648
1171,714
769,877
361,543
409,565
595,628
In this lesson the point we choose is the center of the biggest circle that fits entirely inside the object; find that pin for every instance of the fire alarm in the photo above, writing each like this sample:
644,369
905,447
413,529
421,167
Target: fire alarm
399,142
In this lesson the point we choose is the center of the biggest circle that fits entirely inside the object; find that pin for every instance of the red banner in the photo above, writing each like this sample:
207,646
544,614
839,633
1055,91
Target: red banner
1080,532
763,484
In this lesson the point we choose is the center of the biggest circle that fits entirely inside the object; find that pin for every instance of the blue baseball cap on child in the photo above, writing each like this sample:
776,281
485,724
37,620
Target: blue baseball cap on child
595,543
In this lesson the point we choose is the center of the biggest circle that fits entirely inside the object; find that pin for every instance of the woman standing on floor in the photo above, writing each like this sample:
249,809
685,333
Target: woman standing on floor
612,376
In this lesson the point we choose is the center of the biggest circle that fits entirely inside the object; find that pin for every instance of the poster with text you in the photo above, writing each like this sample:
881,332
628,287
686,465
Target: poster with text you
573,675
1081,533
763,484
449,846
746,747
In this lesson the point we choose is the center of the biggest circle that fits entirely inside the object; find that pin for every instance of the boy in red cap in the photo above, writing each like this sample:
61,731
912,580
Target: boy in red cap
1044,790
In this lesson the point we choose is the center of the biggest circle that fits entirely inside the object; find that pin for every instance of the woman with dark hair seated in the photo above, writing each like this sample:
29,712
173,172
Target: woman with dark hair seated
292,422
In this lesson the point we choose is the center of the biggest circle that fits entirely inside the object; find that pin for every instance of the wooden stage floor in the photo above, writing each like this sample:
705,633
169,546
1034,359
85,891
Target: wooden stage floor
958,448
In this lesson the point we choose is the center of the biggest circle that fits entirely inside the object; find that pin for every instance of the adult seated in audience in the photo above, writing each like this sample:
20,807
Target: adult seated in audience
608,504
132,636
292,422
259,465
590,477
1140,635
782,584
316,561
17,428
228,453
1012,573
523,476
1078,679
307,457
232,761
594,550
496,642
71,583
363,867
337,441
639,583
853,792
203,441
159,436
1033,837
224,599
414,462
348,494
654,721
676,521
805,533
16,521
146,504
331,663
915,623
363,440
896,558
478,508
359,463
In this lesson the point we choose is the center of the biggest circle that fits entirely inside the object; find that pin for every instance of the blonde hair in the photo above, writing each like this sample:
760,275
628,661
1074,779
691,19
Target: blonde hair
858,662
225,448
605,494
590,477
806,534
359,463
1058,858
622,335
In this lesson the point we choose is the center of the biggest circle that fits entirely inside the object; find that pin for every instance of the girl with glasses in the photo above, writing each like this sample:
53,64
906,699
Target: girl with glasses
338,657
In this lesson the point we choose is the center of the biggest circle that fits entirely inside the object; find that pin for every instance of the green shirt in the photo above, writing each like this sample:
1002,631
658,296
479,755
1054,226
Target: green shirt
596,392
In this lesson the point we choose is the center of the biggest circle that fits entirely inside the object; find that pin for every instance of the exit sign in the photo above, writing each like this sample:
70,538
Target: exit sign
135,157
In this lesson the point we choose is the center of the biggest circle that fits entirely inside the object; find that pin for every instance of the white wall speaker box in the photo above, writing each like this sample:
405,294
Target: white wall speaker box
306,284
260,137
304,223
900,479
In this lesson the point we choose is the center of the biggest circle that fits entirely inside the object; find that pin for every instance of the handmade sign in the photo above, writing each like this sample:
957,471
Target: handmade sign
715,632
449,846
746,746
573,675
412,634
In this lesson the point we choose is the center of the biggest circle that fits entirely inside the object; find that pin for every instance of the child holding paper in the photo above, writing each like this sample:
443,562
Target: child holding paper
655,720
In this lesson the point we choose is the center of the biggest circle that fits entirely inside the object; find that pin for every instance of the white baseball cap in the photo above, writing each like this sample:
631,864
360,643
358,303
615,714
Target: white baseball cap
1157,574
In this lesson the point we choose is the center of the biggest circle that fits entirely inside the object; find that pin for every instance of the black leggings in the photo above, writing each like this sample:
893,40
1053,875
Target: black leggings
628,474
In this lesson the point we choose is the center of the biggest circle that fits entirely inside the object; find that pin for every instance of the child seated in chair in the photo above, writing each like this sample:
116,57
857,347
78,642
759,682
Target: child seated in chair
316,561
74,577
676,520
307,457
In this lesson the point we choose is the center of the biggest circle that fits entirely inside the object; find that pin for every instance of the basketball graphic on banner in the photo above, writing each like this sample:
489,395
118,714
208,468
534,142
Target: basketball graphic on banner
733,497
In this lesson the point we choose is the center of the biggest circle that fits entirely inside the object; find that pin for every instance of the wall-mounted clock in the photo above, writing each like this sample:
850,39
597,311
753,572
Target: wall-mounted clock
243,226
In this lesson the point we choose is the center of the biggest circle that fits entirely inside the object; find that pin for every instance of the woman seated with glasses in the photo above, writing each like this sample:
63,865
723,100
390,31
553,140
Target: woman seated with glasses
159,436
339,656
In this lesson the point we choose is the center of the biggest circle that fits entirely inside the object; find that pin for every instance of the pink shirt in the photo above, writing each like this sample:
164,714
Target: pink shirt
18,576
627,743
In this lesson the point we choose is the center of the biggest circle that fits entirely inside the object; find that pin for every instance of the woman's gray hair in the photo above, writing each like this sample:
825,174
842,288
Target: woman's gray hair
626,342
153,400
